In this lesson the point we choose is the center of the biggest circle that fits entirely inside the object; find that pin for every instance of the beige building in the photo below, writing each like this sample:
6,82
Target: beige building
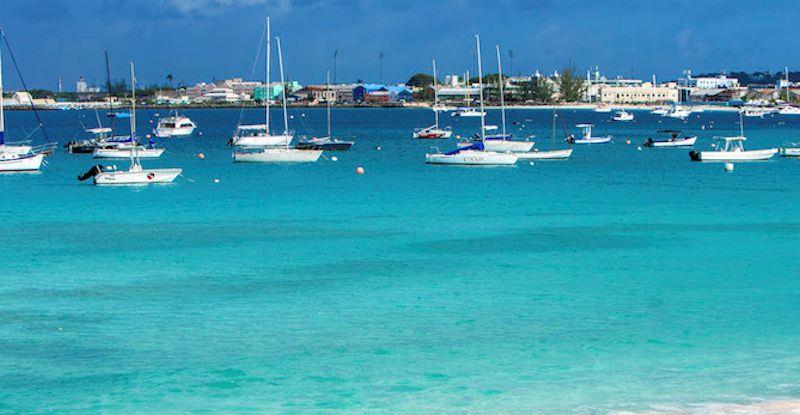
642,94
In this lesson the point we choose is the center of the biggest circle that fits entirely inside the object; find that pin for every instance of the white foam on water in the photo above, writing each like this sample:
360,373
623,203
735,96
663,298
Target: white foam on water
781,407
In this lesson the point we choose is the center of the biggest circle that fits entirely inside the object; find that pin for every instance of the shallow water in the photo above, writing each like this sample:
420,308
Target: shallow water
619,280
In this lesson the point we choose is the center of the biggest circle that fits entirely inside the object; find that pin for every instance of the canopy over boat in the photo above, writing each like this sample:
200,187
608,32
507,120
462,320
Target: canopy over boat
99,130
474,146
585,125
730,139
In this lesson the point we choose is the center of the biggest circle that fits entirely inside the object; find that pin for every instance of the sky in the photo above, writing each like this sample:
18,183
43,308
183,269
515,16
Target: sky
197,40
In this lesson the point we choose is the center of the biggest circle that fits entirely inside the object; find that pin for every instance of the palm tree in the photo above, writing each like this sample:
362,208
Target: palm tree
169,79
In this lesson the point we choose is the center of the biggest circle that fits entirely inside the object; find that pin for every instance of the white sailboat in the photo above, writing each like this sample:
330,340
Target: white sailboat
135,174
259,135
555,154
328,142
502,142
475,154
283,154
122,151
433,131
732,149
12,158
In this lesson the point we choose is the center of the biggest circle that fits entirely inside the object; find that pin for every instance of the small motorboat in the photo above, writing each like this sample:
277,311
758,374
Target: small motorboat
602,109
467,112
432,132
473,155
660,111
546,155
679,112
622,116
789,110
671,138
732,149
324,143
790,152
586,137
174,126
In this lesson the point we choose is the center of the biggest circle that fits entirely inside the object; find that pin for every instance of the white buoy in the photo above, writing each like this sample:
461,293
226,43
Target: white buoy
334,158
378,148
639,148
216,180
360,170
531,163
728,166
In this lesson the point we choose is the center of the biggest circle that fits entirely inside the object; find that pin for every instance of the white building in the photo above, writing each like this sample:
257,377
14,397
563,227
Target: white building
80,86
713,82
645,93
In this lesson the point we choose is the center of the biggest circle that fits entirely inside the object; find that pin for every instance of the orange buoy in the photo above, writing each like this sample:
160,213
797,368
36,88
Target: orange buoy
201,156
627,141
360,170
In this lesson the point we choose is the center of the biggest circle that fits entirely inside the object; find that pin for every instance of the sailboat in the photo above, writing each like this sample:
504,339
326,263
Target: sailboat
502,142
433,131
258,135
554,154
467,111
13,159
732,149
328,142
474,154
283,154
135,173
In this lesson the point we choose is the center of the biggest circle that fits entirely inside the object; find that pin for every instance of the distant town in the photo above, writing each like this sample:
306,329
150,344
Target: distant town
568,86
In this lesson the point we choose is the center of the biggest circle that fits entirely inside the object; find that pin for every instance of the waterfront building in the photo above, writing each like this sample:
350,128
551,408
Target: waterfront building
645,93
712,82
379,93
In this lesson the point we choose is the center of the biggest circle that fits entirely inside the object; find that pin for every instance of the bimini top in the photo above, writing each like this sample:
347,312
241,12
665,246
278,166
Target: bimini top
585,125
99,130
475,146
734,138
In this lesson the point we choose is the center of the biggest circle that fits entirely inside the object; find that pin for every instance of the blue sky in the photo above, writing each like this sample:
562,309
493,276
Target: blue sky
204,39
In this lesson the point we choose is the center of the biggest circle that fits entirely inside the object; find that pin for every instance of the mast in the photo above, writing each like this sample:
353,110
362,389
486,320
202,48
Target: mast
787,84
328,98
2,109
502,98
480,86
466,84
110,95
134,142
435,98
268,93
283,90
741,125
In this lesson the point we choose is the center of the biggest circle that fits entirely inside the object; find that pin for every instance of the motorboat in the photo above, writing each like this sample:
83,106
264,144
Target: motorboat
98,135
602,109
679,112
467,112
174,126
586,137
135,174
623,116
660,111
789,110
443,107
260,135
433,131
671,138
473,155
732,149
756,111
790,152
562,154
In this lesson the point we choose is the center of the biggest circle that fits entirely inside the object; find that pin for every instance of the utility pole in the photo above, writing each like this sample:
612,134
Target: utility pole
511,62
335,55
380,66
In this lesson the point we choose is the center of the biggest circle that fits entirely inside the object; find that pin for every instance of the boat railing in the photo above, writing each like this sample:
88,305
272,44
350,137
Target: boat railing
46,148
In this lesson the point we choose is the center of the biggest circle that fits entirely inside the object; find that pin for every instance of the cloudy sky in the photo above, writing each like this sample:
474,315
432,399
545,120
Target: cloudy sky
204,39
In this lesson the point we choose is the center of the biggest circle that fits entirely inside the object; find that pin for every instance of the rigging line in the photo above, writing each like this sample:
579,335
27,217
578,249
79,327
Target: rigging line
253,71
24,85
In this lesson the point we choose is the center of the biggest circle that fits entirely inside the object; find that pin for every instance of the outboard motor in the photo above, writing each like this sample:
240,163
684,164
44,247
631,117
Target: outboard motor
91,172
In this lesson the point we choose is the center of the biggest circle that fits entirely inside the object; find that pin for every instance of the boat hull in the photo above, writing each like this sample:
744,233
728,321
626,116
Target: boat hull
174,132
749,155
546,155
137,177
684,142
472,158
31,162
593,140
278,155
262,140
790,152
332,146
123,153
501,146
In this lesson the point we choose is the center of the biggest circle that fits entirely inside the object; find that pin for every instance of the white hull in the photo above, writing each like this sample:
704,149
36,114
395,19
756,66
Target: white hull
14,162
263,140
502,146
688,142
137,177
593,140
790,152
20,150
789,111
546,155
174,132
432,133
278,155
123,153
468,114
748,155
473,158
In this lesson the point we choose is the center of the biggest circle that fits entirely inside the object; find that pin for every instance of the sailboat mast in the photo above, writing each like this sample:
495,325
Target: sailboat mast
466,84
435,98
480,85
110,95
2,108
134,142
328,98
741,125
283,90
502,98
268,93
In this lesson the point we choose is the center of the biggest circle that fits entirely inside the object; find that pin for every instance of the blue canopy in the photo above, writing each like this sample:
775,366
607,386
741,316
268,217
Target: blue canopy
2,136
474,146
119,114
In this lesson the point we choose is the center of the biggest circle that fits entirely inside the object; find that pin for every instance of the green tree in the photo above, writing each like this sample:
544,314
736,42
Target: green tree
420,80
539,90
570,85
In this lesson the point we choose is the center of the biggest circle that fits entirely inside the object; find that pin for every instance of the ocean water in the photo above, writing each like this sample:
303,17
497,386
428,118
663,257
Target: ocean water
621,280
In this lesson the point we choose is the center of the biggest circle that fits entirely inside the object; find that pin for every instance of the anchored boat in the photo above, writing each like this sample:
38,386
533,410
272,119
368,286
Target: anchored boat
433,131
328,142
174,126
586,136
671,138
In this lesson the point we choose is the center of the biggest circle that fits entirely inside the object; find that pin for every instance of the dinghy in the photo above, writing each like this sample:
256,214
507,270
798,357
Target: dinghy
671,138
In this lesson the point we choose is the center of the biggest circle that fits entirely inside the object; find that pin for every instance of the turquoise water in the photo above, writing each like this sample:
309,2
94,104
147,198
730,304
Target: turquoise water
617,280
